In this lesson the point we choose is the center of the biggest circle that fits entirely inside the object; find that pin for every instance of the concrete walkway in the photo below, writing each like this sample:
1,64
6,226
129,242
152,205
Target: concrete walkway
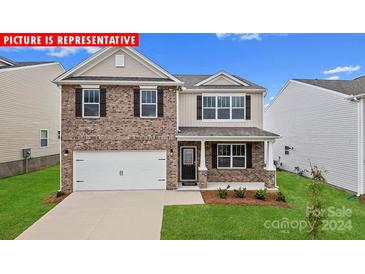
108,215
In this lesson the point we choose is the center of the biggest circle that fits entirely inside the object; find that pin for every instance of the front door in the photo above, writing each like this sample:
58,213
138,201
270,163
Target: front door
188,164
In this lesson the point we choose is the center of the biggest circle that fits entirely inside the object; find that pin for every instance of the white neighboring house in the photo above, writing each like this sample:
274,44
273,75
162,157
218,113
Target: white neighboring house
29,115
321,121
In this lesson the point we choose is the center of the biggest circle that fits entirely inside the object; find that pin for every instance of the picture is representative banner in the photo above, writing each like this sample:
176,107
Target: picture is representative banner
69,39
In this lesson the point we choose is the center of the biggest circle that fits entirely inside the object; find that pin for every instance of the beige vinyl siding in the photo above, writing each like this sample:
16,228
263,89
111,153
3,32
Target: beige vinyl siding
321,126
132,68
188,109
29,101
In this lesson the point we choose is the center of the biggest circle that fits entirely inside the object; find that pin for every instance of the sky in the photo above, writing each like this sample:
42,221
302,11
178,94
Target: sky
269,60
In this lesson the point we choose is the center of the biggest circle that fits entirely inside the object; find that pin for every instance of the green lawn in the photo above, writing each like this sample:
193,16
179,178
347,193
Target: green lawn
21,200
248,222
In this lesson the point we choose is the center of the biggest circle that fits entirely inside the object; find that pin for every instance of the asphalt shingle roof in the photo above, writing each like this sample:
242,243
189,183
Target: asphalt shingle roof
225,131
348,87
22,64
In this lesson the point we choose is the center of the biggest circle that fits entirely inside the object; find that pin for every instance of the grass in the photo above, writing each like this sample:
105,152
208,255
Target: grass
248,222
21,200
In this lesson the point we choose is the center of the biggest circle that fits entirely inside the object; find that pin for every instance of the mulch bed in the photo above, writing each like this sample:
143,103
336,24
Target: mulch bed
362,199
211,197
53,199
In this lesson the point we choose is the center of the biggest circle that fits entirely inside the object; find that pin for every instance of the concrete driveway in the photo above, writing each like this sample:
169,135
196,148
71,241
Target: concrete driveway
108,215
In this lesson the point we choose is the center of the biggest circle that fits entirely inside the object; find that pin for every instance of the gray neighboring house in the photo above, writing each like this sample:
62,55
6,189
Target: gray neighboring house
321,121
29,116
127,123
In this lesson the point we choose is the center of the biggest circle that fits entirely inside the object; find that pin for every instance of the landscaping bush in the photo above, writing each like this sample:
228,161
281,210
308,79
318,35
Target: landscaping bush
261,194
223,192
240,192
281,197
299,171
59,193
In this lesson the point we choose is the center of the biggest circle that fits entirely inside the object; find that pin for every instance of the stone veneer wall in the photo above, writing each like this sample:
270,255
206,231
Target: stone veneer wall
119,130
257,173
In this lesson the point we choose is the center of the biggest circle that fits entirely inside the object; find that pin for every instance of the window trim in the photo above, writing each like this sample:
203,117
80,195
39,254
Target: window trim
83,103
230,95
231,155
40,137
140,104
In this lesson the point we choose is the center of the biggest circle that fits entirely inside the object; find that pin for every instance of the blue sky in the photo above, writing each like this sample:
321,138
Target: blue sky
266,59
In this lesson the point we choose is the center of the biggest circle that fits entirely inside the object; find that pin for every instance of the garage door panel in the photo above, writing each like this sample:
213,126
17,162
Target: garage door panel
120,170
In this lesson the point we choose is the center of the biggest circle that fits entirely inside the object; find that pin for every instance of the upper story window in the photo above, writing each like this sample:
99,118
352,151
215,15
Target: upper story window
231,156
91,103
44,137
149,103
223,107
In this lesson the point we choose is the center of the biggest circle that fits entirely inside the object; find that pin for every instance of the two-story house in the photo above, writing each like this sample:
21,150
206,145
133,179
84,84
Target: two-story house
129,124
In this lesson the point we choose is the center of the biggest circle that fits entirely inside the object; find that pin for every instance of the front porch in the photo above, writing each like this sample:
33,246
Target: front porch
237,157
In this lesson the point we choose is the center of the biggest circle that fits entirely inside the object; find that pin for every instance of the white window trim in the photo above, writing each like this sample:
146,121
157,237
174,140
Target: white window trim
216,95
140,104
231,156
83,102
40,138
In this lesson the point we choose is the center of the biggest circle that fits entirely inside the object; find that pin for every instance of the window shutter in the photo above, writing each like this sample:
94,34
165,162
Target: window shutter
248,107
78,102
249,155
102,102
214,155
136,103
160,102
199,107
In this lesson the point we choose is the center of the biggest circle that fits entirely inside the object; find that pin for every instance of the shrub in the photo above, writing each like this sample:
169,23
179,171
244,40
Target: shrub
223,192
281,197
240,192
59,193
261,194
299,171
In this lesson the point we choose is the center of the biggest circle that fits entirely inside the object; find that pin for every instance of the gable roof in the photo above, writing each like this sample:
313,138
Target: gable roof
68,74
191,81
6,61
347,87
12,64
228,77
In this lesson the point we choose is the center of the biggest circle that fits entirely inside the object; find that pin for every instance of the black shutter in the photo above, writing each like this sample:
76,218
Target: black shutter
199,107
78,102
136,102
214,155
160,102
102,102
248,107
249,155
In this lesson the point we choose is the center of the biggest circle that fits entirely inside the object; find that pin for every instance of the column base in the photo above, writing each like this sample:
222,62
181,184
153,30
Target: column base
203,178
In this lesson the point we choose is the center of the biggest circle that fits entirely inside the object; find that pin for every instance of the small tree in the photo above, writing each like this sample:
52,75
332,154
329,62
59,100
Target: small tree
316,213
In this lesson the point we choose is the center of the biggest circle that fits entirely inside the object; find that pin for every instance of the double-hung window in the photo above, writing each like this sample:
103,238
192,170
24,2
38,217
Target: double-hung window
91,103
44,137
231,156
224,107
148,103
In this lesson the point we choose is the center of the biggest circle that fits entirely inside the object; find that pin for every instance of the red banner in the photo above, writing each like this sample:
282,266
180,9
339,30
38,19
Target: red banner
69,39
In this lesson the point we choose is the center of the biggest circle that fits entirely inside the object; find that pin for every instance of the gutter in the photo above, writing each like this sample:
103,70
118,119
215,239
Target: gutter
120,83
226,138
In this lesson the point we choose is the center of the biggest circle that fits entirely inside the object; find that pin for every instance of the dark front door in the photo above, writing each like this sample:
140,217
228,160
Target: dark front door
188,164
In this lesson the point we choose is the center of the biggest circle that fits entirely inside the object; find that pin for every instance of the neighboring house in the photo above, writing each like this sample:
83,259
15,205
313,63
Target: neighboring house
129,124
321,121
29,116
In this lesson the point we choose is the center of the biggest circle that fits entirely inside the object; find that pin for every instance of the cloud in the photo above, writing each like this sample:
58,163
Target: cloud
239,36
271,98
347,69
59,52
266,105
336,77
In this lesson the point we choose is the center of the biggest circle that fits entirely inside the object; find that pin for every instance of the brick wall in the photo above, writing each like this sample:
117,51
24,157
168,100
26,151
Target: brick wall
119,130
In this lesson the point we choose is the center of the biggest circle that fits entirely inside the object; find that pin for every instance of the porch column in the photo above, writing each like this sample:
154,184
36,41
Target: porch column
203,171
270,156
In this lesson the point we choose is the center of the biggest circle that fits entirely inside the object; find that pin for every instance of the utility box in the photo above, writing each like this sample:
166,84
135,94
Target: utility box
27,153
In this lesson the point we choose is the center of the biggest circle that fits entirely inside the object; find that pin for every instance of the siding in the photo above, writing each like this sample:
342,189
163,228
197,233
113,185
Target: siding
187,115
29,101
322,128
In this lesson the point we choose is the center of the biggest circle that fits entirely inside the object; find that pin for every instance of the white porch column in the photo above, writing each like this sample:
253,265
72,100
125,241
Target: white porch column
202,165
270,156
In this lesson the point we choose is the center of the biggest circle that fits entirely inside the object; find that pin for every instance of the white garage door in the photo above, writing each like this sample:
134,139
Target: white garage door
119,170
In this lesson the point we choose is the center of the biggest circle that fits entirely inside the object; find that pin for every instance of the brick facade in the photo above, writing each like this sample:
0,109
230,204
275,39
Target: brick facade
119,130
255,174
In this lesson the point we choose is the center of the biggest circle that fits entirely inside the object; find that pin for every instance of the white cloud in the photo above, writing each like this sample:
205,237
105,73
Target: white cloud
239,36
55,51
336,77
266,105
271,98
347,69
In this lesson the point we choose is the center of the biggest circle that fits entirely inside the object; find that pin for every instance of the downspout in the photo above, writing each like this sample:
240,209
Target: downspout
360,142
